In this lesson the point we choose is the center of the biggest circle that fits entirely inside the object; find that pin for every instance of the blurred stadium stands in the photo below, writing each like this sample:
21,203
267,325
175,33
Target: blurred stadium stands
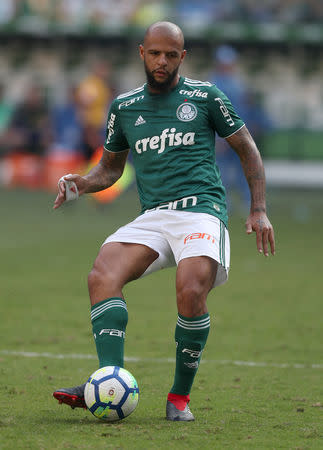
104,13
54,45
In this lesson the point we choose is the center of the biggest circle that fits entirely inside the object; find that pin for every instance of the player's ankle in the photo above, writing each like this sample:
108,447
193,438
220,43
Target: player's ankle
180,401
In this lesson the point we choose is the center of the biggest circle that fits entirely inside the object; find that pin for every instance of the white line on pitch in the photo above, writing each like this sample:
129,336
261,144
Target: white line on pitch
224,362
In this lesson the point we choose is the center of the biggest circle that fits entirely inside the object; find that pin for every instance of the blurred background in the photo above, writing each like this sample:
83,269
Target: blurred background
62,62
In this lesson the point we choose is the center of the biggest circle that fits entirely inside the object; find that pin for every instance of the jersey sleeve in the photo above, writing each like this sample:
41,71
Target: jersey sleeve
115,139
224,120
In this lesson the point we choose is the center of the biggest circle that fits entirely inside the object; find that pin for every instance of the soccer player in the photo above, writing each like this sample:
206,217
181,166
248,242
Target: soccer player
169,124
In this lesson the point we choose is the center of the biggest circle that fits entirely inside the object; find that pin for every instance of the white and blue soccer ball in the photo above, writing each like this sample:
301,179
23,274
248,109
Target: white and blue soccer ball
111,393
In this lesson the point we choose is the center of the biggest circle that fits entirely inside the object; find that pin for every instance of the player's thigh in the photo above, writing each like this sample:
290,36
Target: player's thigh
120,262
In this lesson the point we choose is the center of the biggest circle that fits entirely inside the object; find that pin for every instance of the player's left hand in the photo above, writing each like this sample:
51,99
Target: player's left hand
260,224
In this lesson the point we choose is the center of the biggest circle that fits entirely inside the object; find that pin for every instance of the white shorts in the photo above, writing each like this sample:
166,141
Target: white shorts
176,235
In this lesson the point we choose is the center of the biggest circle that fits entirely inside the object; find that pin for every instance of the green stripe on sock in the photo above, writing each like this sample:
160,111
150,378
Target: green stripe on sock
99,309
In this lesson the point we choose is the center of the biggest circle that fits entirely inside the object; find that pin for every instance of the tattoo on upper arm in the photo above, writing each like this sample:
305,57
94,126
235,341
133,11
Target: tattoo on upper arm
114,159
113,164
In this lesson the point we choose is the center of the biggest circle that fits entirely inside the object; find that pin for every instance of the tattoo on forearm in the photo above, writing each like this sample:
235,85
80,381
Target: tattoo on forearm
106,172
253,168
259,209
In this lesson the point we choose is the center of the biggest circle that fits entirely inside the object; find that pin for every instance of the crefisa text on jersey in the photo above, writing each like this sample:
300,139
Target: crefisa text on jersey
168,136
195,93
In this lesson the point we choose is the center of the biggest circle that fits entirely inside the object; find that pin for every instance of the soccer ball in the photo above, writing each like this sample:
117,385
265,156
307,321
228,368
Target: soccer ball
111,393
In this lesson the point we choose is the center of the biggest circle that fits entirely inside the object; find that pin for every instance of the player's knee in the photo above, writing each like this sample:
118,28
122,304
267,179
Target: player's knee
189,293
100,278
191,299
94,278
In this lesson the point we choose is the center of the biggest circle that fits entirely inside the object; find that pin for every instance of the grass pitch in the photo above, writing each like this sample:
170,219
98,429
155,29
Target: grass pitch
260,383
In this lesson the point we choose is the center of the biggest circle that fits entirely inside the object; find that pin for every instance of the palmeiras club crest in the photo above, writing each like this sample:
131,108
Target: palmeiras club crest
186,112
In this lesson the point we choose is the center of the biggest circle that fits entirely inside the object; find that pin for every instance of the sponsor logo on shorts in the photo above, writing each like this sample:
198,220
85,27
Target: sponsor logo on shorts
186,112
207,236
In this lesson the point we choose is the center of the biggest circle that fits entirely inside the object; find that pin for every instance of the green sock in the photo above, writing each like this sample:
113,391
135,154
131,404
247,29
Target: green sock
109,320
190,336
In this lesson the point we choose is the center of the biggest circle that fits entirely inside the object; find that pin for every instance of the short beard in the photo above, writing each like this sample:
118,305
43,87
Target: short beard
164,86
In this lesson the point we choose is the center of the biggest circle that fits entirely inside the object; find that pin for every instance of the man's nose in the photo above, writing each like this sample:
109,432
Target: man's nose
162,60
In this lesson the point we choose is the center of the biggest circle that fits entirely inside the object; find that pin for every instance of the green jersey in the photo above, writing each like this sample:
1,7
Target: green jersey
172,139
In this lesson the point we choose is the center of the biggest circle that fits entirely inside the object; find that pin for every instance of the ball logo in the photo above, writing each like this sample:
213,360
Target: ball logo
186,112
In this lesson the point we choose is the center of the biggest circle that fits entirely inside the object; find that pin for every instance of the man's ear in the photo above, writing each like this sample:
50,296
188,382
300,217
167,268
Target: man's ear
183,55
141,51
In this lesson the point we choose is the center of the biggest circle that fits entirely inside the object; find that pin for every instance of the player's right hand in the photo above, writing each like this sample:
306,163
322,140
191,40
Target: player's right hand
260,224
81,185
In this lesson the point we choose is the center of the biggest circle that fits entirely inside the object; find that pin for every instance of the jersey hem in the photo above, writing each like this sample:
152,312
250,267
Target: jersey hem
224,220
119,151
226,137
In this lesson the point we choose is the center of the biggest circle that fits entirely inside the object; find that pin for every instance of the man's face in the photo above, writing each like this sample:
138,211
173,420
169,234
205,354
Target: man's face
162,56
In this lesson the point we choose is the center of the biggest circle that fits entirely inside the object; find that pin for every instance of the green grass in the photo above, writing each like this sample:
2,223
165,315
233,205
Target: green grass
269,312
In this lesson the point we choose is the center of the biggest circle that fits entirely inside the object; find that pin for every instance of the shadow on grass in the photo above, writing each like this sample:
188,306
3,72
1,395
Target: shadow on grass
89,421
138,423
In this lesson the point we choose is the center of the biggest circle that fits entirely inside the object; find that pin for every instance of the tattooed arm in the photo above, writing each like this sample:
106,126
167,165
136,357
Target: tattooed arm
253,168
108,170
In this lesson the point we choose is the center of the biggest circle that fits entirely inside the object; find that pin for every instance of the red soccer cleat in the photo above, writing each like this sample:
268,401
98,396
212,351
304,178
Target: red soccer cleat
74,397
